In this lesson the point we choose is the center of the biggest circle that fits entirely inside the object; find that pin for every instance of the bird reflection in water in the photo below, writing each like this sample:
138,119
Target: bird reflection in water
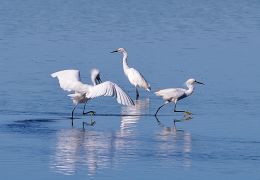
126,135
76,148
64,160
134,112
175,145
98,149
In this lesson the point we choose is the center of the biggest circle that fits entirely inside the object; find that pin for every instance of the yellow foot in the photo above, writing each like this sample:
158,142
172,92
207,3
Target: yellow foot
92,123
187,113
92,113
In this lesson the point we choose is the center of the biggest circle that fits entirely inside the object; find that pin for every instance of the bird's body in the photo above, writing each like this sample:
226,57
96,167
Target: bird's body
69,80
135,77
172,94
176,94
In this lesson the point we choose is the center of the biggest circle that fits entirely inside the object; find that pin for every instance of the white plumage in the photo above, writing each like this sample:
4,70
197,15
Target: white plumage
176,94
69,80
171,94
134,76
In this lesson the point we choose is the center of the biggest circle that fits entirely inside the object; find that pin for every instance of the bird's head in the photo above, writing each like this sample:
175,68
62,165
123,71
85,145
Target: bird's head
193,82
121,50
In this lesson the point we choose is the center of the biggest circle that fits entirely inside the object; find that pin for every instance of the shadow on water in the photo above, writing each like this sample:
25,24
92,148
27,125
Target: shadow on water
27,112
30,126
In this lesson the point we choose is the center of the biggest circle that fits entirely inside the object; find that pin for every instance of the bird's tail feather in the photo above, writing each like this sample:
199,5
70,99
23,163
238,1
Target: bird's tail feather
148,88
54,75
157,93
77,98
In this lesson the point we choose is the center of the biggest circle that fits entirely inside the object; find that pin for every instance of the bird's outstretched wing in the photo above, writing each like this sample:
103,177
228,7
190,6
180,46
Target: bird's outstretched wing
69,80
109,88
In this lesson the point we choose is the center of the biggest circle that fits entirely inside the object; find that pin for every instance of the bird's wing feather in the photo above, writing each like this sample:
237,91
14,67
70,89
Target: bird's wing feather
171,93
110,89
69,80
138,78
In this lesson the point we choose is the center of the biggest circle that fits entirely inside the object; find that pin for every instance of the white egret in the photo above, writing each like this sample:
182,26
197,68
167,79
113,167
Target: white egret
69,80
134,76
176,94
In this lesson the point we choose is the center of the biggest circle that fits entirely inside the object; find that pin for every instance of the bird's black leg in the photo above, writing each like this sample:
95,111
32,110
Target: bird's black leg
177,110
137,93
161,107
72,114
88,112
84,109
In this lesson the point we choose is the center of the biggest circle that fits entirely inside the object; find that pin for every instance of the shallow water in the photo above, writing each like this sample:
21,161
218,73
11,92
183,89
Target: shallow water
216,42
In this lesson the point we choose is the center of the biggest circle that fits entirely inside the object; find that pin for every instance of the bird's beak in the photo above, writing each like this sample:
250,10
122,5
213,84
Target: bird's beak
114,51
199,82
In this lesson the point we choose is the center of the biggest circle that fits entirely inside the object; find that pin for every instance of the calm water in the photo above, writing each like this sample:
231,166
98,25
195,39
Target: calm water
216,42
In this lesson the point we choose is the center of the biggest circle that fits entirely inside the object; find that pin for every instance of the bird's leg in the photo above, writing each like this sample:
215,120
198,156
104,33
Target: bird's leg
72,114
161,107
177,110
92,122
158,121
186,113
88,112
84,108
137,93
185,118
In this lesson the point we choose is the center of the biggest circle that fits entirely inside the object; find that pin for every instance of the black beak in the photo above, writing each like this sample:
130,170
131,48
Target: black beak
199,82
114,51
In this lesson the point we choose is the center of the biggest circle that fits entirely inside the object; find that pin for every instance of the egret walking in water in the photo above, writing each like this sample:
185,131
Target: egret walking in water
69,80
134,76
176,94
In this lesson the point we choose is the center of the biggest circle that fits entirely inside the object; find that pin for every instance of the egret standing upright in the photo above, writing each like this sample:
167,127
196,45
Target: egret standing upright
134,76
176,94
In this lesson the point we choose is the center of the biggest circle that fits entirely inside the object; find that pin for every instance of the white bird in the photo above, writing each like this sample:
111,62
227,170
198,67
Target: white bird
134,76
176,94
69,80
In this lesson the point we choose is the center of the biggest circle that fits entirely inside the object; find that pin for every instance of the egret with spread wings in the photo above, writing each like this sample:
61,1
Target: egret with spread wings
176,94
70,81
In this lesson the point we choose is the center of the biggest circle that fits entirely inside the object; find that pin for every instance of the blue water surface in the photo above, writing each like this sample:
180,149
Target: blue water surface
215,42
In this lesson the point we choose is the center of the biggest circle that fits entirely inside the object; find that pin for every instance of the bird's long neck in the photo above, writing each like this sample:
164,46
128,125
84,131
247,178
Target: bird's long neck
190,89
125,65
93,79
